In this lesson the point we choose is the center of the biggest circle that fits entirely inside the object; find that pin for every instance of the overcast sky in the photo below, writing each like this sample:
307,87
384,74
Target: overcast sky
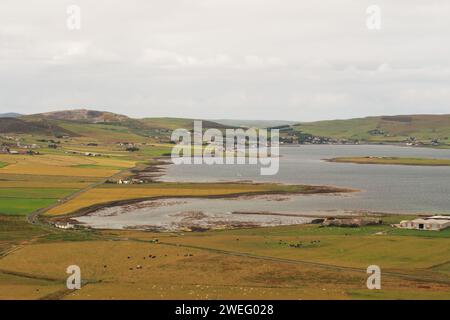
248,59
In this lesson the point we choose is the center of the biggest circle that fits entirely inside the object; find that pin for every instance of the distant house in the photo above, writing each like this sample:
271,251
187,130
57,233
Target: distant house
434,223
61,225
90,154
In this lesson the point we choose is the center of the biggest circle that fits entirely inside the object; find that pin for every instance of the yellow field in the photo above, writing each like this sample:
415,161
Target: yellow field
59,165
44,184
57,171
63,160
17,287
104,195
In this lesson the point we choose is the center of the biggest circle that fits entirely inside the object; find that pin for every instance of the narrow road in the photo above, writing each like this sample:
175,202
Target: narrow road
34,216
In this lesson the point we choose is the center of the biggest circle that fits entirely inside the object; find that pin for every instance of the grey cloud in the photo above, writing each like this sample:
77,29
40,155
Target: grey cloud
226,59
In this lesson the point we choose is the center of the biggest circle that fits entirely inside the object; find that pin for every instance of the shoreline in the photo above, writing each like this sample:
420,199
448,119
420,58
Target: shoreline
199,221
311,190
157,168
395,161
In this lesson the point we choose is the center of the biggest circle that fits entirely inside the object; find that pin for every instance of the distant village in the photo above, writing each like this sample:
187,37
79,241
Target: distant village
288,135
13,143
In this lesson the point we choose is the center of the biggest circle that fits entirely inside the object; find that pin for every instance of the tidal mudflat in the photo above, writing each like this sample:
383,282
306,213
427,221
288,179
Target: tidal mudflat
384,189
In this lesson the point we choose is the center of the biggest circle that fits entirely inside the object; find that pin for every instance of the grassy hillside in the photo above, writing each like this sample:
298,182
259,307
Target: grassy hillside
81,115
41,126
85,127
254,123
176,123
99,125
385,128
109,127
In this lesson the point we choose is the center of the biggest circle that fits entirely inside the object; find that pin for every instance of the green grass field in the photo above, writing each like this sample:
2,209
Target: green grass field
35,193
22,201
23,206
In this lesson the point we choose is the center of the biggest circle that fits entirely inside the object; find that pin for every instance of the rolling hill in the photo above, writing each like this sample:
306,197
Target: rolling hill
254,123
110,126
10,115
175,123
16,125
80,115
98,125
382,129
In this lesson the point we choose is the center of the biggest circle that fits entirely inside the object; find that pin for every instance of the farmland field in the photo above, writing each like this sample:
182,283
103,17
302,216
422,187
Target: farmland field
245,151
108,193
182,266
286,262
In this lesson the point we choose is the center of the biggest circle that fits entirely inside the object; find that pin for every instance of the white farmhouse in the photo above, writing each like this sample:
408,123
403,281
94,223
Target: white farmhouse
434,223
61,225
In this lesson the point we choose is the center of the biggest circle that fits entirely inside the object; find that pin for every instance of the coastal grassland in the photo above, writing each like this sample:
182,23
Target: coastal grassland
254,263
14,229
349,247
17,233
107,193
393,161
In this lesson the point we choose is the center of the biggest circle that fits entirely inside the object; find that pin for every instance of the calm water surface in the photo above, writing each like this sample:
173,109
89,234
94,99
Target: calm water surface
384,188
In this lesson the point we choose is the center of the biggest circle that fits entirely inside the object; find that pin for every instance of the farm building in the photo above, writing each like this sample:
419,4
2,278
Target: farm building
434,223
61,225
